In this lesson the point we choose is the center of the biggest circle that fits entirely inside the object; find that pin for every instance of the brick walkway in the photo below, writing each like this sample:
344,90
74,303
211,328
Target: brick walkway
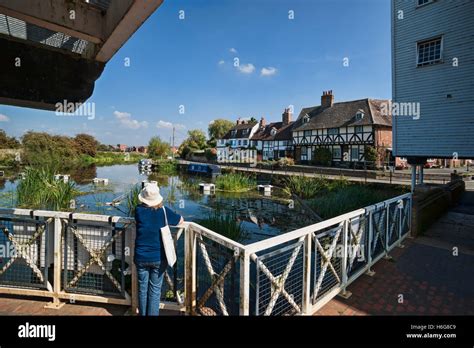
430,278
13,305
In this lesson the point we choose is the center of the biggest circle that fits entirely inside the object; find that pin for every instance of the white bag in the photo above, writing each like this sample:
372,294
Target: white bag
168,243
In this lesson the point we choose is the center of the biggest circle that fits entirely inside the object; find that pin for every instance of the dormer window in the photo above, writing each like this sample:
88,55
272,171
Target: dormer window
305,119
233,133
245,131
273,131
359,115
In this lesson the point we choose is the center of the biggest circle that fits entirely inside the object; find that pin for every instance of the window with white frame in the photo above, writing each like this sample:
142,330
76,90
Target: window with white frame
304,153
233,132
245,142
429,51
240,142
360,115
359,129
355,154
305,119
336,152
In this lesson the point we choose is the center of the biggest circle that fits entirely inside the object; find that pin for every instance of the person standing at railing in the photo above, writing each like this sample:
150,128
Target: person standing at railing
150,259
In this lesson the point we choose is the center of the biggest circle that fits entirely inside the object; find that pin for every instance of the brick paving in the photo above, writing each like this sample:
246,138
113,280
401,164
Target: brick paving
15,305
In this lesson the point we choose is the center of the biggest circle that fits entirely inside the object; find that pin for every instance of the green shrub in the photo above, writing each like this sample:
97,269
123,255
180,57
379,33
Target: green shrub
322,156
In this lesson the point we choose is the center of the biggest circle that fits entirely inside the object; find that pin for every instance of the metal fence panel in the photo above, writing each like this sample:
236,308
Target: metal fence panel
279,281
327,261
95,259
217,278
25,259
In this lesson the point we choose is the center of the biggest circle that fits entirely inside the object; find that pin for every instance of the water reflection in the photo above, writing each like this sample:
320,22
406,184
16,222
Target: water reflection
261,215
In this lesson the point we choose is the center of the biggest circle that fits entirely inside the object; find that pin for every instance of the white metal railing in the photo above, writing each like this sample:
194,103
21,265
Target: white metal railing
83,257
299,271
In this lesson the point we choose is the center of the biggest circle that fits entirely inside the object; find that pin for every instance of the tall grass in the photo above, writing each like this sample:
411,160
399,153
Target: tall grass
226,225
337,202
131,200
167,167
39,190
310,187
235,182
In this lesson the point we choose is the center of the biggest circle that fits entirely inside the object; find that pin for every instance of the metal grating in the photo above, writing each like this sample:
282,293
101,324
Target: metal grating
24,261
279,285
94,260
19,29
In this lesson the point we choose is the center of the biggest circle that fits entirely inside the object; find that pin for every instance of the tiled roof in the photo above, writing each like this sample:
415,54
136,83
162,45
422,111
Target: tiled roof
283,132
344,114
239,128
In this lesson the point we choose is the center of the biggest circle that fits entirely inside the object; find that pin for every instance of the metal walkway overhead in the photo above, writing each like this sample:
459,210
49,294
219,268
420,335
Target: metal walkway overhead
55,50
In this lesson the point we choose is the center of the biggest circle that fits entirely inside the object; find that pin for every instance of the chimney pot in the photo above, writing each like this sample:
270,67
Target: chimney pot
286,116
327,99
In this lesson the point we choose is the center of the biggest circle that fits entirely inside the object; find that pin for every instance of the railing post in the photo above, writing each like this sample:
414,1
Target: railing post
57,262
387,228
244,283
307,275
134,293
369,252
345,293
189,270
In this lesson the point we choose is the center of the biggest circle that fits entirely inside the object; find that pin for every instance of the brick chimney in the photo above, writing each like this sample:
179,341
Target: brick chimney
286,116
263,123
238,121
327,99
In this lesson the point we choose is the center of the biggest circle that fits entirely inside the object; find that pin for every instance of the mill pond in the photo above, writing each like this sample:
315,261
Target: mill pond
260,215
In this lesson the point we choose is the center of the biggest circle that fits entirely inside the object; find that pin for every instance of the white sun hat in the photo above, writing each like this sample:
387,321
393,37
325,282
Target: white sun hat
150,194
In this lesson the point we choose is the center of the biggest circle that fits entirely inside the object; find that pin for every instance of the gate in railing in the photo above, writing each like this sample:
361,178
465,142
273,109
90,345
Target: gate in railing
89,258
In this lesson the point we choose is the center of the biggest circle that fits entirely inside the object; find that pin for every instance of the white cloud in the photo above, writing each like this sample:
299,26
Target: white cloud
221,62
233,50
4,118
126,120
169,125
268,71
246,68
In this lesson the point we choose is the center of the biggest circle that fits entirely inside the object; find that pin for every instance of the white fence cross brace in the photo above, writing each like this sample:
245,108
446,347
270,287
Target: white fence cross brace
217,285
326,257
279,283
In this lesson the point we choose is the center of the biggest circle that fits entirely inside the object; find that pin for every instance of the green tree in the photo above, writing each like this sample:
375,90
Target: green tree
86,144
158,147
7,142
43,148
219,128
196,140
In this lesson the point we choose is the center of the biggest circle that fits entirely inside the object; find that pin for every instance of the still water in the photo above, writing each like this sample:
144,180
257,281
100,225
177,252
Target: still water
261,216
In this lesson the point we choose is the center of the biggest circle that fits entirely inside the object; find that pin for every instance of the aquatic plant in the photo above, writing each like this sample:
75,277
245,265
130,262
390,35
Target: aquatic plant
131,200
226,225
40,190
235,182
310,187
167,167
356,196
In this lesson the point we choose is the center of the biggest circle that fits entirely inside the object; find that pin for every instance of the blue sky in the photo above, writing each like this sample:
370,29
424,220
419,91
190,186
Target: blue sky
190,62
